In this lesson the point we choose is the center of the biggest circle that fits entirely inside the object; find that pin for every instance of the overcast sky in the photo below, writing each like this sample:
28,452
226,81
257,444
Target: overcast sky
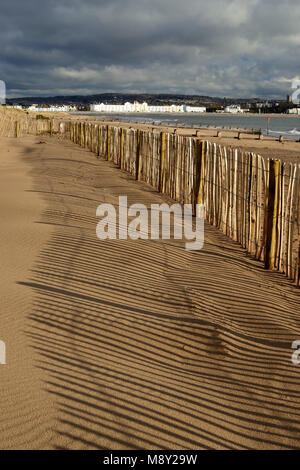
242,48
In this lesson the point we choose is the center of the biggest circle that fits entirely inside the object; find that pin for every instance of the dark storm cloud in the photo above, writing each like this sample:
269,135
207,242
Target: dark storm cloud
224,48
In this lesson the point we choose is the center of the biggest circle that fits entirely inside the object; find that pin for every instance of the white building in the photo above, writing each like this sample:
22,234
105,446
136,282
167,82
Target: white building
233,109
14,106
53,109
294,111
194,109
144,108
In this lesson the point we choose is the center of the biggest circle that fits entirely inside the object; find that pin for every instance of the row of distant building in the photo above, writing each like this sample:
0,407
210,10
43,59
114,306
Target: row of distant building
120,108
137,107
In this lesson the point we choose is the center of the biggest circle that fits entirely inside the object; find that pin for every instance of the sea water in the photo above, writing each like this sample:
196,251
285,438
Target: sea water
288,126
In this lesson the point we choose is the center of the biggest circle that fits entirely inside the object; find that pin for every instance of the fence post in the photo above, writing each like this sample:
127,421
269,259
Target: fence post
297,264
92,137
17,128
108,143
293,222
84,134
197,173
98,138
162,161
272,214
137,164
122,148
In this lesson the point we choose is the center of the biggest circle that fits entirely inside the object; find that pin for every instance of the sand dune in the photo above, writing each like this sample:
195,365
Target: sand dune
132,344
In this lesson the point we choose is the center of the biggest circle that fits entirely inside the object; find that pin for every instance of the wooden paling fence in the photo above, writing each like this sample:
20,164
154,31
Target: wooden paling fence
16,123
253,200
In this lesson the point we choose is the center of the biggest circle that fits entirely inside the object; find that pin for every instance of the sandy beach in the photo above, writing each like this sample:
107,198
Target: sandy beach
133,344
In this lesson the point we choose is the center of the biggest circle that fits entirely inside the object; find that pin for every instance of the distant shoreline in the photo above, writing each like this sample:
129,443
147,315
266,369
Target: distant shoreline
234,137
99,113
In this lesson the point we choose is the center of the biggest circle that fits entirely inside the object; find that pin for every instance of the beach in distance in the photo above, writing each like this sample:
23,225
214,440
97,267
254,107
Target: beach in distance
279,124
220,129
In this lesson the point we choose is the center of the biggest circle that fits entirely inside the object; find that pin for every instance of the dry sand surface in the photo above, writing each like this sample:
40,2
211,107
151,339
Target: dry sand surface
132,344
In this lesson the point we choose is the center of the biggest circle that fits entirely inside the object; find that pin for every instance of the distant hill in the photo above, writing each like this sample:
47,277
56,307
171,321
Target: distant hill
121,98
